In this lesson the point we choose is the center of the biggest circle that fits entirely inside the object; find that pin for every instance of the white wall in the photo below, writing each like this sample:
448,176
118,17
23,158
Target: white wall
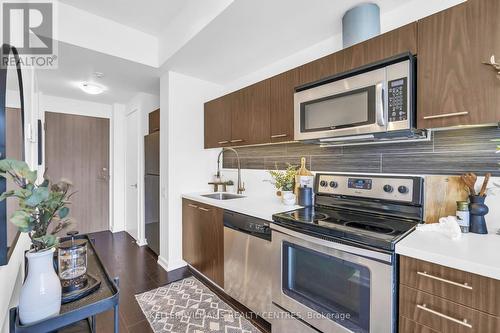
184,165
117,167
11,275
143,104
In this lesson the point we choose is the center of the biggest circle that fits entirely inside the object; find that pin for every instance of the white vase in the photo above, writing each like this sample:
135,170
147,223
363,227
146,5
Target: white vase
288,198
41,292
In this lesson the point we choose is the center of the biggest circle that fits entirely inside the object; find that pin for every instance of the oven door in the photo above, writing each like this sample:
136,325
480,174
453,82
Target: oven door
347,107
331,286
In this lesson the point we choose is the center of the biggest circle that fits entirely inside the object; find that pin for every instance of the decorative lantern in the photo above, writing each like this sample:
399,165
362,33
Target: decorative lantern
72,263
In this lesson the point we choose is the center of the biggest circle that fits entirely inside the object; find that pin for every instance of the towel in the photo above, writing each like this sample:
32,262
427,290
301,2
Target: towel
447,225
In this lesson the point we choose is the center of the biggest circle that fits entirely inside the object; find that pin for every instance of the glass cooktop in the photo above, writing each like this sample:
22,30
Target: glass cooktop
369,229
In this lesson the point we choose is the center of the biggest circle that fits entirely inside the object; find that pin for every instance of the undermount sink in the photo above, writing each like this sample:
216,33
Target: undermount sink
222,196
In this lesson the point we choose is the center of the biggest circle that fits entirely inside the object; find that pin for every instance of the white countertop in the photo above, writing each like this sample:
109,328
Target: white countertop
262,207
473,253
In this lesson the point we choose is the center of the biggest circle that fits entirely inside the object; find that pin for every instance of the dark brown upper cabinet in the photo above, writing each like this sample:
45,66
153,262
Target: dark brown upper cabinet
282,88
154,121
250,121
454,86
218,121
397,41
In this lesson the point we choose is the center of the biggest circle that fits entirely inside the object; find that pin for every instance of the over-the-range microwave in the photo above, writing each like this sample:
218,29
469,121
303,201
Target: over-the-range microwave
373,102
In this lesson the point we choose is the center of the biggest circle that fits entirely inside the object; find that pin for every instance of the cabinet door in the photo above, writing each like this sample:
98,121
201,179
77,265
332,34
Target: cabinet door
191,236
250,115
282,89
203,239
218,122
211,229
392,43
454,87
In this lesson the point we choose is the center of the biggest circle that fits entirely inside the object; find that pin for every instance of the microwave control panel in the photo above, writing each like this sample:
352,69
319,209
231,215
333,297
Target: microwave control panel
398,99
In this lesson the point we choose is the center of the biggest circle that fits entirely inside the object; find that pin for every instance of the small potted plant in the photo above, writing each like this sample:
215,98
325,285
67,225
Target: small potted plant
284,181
42,213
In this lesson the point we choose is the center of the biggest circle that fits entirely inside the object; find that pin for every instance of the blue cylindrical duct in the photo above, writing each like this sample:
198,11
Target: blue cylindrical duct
360,23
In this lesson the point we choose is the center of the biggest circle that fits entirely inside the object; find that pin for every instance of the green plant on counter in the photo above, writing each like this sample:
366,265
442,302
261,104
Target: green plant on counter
39,204
284,180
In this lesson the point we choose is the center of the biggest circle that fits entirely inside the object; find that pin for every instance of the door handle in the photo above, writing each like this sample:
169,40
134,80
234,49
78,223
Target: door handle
379,88
430,276
278,136
133,185
203,209
463,322
447,115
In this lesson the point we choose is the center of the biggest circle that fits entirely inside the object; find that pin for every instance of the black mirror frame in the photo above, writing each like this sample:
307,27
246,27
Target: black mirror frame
5,250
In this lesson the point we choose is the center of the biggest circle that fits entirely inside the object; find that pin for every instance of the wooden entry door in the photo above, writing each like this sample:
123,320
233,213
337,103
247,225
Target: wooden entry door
77,149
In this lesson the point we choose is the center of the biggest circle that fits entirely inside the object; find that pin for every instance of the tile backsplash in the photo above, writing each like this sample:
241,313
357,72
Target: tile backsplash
449,152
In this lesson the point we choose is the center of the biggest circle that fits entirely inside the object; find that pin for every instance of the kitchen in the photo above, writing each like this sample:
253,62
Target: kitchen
423,110
254,166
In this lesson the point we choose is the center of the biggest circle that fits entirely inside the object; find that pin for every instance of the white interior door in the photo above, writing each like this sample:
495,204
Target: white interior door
132,175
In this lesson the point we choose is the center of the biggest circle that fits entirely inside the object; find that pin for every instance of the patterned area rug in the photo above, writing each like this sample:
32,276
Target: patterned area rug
188,306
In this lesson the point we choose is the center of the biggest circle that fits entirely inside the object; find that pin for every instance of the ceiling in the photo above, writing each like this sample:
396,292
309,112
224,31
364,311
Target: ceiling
149,16
251,34
123,78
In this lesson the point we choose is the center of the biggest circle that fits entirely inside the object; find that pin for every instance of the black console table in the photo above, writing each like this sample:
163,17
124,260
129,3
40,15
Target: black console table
103,299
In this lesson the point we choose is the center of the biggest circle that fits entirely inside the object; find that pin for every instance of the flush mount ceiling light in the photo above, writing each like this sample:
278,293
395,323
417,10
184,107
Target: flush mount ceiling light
92,88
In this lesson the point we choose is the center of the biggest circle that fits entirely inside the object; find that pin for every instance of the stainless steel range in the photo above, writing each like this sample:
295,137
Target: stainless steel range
334,266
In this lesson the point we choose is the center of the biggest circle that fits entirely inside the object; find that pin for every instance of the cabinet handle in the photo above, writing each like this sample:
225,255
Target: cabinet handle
223,142
237,140
204,209
279,136
447,115
462,285
192,206
439,314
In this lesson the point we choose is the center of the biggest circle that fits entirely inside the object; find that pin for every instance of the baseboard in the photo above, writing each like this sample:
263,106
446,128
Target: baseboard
142,242
117,230
172,266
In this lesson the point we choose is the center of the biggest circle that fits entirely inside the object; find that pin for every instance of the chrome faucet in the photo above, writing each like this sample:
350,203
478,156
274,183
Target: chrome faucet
240,185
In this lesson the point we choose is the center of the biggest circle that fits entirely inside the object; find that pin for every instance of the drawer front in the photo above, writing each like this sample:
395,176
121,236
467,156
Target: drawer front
469,289
409,326
442,315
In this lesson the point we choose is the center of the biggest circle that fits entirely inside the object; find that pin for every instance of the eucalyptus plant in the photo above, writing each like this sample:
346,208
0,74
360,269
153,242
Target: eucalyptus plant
40,205
284,180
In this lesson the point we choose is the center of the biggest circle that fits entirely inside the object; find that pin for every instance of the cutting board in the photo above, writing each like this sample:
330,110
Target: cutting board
441,196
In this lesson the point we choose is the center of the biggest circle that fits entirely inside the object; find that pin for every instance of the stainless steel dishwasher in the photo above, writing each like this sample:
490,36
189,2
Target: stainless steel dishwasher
247,253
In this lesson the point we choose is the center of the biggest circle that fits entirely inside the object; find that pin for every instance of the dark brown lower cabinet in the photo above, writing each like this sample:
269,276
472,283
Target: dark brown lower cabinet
203,239
434,298
407,325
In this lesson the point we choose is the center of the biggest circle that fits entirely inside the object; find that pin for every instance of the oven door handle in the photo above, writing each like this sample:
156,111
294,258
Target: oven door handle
379,104
353,250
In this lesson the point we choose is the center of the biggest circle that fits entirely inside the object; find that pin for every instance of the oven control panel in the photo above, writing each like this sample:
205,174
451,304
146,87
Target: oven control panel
374,187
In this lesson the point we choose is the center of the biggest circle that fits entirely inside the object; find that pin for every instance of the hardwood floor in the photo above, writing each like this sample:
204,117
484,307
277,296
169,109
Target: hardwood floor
138,271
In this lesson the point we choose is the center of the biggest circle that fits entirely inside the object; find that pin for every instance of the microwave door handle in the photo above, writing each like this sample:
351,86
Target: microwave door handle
379,104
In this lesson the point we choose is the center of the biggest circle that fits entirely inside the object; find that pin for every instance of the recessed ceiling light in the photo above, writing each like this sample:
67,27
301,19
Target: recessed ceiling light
99,75
92,88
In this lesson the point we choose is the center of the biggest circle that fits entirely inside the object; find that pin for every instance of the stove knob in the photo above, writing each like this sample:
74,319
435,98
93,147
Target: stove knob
388,188
403,189
323,183
334,184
